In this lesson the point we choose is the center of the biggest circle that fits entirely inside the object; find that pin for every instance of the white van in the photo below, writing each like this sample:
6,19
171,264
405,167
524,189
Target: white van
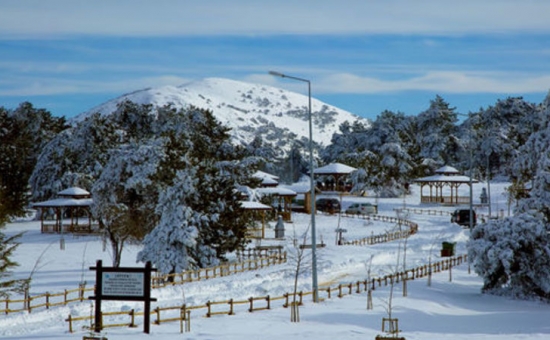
362,209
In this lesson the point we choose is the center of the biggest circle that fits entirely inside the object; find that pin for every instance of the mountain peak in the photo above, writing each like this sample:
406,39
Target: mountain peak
248,109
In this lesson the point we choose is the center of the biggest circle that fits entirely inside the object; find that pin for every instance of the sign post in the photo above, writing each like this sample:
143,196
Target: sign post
125,284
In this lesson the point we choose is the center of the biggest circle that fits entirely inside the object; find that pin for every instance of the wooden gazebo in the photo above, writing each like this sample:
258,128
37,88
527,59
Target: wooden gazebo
446,176
256,208
337,171
70,212
281,198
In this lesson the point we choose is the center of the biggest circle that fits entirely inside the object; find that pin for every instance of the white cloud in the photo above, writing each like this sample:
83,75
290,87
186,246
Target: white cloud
438,82
54,18
321,83
55,86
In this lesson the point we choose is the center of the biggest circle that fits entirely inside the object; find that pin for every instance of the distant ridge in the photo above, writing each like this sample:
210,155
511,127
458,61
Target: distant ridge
277,115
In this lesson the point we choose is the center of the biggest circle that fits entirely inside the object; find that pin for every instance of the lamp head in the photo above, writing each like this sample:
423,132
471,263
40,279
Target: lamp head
276,74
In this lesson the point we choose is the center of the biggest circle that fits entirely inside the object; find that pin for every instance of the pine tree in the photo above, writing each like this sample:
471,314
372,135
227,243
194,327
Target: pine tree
7,246
437,133
23,133
513,254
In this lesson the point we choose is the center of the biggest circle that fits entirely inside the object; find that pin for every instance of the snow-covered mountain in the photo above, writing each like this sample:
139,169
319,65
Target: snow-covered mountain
277,115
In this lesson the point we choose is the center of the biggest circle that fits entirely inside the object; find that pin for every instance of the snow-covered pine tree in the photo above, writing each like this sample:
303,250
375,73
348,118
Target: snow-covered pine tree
125,196
499,132
513,254
75,157
437,133
200,218
7,247
23,133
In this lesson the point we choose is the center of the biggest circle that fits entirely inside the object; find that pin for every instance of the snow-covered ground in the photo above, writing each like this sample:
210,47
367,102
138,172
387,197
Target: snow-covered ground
445,310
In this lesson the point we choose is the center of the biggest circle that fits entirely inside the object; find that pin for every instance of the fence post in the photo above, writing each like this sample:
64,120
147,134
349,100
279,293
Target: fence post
231,307
251,300
70,320
209,310
132,322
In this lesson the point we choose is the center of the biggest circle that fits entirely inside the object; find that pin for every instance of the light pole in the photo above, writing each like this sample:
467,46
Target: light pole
312,188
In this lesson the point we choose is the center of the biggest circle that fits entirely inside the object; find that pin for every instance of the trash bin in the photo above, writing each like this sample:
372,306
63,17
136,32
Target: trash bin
448,249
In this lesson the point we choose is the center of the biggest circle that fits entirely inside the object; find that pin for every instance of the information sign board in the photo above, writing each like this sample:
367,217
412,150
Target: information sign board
122,284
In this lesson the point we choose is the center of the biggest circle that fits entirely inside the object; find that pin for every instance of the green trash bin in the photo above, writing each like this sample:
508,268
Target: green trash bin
448,249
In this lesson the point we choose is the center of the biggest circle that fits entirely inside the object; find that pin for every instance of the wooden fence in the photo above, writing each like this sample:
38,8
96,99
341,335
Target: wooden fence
250,259
219,271
424,211
412,228
181,313
260,259
45,300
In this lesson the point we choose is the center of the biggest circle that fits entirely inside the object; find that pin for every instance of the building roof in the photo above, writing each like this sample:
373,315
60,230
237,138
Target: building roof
445,179
279,191
74,192
70,197
333,169
448,170
249,205
267,179
65,202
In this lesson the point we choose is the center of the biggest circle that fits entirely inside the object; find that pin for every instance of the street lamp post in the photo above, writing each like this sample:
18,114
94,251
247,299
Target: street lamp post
312,187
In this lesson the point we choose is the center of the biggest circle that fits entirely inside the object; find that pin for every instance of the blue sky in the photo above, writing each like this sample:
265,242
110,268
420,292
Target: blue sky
362,56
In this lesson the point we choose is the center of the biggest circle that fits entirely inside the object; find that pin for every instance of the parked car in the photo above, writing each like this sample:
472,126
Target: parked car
462,217
330,205
362,209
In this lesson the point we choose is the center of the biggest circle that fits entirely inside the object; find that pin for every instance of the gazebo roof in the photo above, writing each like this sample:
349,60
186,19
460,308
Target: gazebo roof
447,170
249,205
74,192
65,202
299,188
334,169
279,191
267,179
70,197
445,179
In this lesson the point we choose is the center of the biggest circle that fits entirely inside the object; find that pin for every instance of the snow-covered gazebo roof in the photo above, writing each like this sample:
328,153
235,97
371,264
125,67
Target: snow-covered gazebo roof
334,169
447,170
268,180
250,205
74,192
278,191
71,197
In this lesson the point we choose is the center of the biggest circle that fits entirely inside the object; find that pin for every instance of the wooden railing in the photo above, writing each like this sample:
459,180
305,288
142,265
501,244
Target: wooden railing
45,300
250,259
181,313
259,259
219,271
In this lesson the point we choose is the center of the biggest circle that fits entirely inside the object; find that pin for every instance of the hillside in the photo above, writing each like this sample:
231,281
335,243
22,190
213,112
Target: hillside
277,115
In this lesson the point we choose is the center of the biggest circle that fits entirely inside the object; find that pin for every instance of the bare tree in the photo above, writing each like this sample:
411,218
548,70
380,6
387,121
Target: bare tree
298,259
369,286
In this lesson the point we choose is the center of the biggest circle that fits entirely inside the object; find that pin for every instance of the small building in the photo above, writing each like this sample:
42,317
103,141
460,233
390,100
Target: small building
445,177
256,208
70,212
335,175
281,199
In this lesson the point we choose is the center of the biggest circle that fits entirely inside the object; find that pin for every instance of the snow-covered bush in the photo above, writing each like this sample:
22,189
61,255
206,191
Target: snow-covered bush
513,256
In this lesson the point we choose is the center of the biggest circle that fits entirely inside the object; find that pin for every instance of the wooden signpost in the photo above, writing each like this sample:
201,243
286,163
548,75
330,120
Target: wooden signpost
124,284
